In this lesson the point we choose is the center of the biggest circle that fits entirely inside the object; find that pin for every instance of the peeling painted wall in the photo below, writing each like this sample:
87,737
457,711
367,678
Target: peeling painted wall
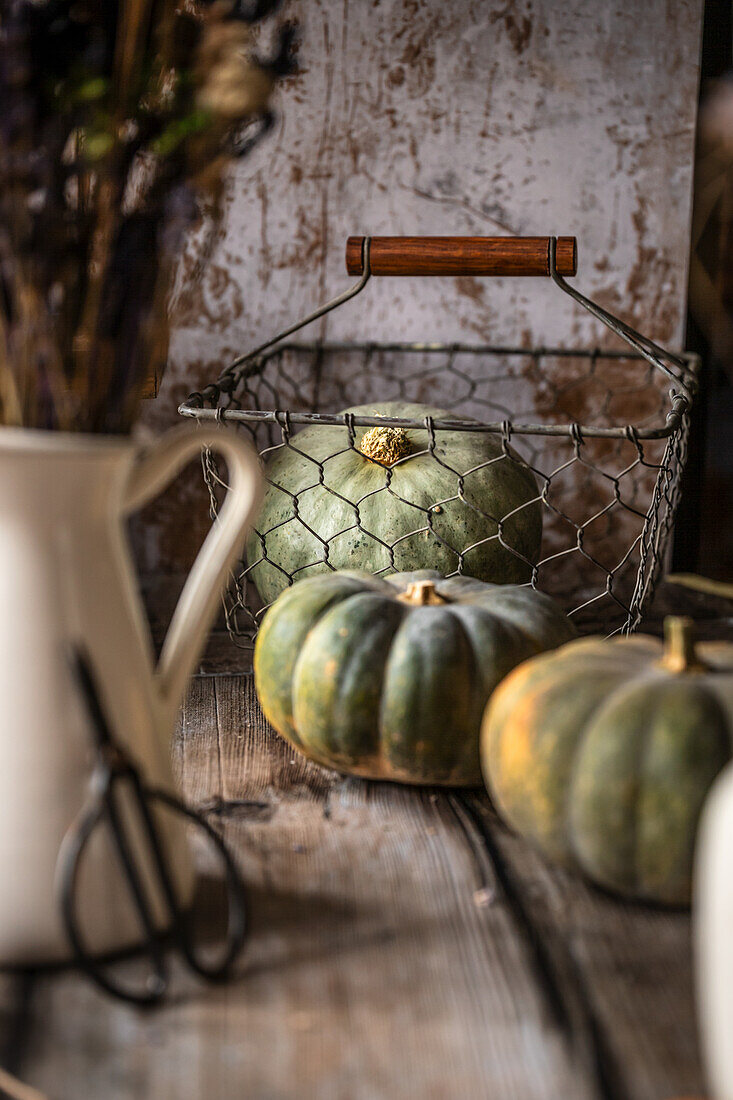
470,117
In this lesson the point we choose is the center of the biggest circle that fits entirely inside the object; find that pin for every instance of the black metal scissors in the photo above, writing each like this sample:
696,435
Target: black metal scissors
117,787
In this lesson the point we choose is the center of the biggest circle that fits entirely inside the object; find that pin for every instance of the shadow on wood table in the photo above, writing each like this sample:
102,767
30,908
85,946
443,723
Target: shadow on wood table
404,944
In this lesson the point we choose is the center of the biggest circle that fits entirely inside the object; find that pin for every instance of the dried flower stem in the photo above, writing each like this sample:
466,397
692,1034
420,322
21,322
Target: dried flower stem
117,118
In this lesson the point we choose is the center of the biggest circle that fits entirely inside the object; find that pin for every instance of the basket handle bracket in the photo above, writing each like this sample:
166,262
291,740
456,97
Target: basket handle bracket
658,356
555,257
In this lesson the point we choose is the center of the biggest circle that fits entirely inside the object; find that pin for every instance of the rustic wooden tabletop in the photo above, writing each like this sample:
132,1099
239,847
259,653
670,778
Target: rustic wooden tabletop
404,944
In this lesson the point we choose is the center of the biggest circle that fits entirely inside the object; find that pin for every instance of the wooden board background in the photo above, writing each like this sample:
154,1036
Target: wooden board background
474,117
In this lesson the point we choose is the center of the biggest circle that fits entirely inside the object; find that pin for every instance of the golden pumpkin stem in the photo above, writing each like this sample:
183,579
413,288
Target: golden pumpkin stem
680,654
386,445
421,594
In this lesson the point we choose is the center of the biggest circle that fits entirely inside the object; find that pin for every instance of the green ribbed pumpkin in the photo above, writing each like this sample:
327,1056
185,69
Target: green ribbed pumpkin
394,482
388,679
603,752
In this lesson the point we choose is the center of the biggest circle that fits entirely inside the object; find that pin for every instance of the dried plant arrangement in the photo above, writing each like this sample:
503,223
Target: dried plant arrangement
119,119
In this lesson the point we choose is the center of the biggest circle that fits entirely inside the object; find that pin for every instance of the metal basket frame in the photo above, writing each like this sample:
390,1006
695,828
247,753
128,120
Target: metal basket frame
220,401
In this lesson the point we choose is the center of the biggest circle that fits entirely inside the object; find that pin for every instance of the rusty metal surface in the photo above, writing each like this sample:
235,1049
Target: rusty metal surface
478,117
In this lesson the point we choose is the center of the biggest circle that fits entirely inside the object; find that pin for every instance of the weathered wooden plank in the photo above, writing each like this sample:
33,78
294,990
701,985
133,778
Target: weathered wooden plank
403,943
408,987
400,122
374,968
629,965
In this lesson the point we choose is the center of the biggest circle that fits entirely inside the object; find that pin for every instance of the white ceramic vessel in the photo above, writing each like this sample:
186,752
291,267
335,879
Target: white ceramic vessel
66,577
713,933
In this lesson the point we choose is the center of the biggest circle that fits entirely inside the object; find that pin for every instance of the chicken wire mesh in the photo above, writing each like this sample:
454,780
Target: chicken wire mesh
600,430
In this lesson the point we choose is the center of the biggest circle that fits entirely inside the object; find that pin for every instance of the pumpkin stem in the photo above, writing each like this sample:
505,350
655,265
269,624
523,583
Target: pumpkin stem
386,445
422,593
680,654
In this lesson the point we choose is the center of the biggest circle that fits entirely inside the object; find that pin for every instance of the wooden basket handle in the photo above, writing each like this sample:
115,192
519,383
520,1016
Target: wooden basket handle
462,256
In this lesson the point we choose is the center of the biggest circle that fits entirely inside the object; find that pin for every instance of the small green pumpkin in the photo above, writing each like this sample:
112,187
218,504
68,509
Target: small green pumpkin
602,754
388,679
389,504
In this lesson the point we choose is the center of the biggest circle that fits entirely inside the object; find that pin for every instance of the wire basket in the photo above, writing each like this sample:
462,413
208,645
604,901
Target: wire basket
607,486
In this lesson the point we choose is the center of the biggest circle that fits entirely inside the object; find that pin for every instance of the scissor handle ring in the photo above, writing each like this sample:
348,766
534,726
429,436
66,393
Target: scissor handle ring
95,966
236,895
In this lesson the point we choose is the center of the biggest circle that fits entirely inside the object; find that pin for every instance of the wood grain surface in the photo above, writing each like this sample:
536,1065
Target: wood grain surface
461,256
403,944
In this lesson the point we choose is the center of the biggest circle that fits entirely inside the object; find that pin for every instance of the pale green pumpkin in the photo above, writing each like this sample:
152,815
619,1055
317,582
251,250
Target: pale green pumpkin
603,752
387,505
388,679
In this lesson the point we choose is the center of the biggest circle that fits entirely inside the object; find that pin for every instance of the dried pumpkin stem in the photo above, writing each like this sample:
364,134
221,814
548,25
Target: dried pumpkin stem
385,445
680,654
421,594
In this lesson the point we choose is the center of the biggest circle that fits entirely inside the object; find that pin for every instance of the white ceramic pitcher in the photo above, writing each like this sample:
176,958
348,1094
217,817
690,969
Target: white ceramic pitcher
66,576
713,931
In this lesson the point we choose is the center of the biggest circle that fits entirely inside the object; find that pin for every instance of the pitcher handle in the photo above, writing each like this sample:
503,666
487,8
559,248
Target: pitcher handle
197,604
